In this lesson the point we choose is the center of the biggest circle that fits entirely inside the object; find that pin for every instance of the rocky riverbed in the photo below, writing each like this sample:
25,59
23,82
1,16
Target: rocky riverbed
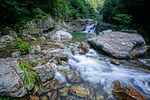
111,66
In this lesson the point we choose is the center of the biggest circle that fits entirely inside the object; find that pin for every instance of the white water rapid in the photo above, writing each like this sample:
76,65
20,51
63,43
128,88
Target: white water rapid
90,29
104,73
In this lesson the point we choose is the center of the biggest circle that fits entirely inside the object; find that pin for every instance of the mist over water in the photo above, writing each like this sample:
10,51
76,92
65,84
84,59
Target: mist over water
101,72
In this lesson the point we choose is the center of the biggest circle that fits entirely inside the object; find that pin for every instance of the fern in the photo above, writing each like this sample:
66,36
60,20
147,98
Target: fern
123,21
30,76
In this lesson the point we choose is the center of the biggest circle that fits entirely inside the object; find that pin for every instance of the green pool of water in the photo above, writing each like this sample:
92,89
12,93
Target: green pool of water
78,37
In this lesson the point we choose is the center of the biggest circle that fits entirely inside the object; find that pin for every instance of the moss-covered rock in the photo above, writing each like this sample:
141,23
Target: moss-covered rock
38,26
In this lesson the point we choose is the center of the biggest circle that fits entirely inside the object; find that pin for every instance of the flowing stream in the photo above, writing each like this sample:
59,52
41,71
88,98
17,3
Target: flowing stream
103,73
90,29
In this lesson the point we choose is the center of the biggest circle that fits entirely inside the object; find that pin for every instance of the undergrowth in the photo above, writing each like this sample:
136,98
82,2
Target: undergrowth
22,46
31,77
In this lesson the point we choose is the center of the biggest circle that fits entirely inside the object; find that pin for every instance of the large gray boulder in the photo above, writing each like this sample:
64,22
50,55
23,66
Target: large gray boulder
120,44
6,38
61,35
11,78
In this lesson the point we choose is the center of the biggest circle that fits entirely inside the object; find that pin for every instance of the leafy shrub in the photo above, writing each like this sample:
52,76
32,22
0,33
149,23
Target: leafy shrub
122,20
8,98
30,76
22,46
74,23
4,31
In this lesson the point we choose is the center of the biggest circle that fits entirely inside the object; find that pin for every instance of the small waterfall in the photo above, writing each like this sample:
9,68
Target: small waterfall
90,29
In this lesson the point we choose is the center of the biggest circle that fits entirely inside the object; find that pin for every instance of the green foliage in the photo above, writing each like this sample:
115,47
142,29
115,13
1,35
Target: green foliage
136,8
4,31
30,76
19,12
122,21
74,23
22,46
13,10
8,98
96,3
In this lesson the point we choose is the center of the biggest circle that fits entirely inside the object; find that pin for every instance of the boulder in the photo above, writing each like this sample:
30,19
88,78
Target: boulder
105,32
80,91
16,54
127,93
2,46
45,72
103,26
6,38
11,78
42,38
38,26
120,45
64,91
61,35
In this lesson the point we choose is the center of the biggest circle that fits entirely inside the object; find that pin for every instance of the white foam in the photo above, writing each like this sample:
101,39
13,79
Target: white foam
61,78
90,29
96,71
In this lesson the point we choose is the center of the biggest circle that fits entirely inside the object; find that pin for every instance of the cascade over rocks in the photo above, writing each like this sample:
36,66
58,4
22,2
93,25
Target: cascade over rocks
11,78
120,45
81,24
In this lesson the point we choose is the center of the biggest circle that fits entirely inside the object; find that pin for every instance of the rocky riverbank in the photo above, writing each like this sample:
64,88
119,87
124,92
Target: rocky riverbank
69,68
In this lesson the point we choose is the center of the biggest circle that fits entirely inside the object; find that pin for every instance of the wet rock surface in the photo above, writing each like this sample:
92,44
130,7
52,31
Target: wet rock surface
64,91
73,77
79,91
120,45
127,93
45,72
72,71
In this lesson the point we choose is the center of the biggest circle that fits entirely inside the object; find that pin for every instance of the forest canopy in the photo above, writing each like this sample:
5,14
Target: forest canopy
18,12
21,11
